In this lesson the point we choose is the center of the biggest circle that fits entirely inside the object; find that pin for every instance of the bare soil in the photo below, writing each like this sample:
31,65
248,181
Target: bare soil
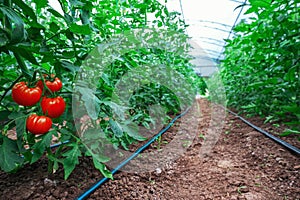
240,163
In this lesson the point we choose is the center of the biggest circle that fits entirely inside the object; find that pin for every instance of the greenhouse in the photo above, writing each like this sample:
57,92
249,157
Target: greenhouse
149,99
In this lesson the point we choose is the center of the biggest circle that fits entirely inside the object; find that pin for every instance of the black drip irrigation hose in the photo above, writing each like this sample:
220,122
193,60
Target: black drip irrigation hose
276,139
136,153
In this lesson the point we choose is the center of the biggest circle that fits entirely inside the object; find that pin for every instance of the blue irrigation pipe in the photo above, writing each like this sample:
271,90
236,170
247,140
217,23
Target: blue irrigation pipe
58,144
136,153
276,139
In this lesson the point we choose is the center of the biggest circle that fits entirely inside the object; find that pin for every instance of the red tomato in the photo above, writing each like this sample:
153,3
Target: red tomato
54,85
53,107
38,125
25,96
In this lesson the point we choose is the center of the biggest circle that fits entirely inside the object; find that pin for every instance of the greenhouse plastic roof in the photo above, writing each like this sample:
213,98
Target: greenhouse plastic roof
210,22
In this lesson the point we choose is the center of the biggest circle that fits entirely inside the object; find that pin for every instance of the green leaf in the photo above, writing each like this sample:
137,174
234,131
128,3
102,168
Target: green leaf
40,146
288,132
10,160
25,53
25,9
54,27
116,128
132,130
291,74
10,75
3,38
55,13
68,54
18,33
91,102
100,166
71,159
118,110
68,65
80,29
41,3
20,127
4,115
15,115
261,3
293,108
12,15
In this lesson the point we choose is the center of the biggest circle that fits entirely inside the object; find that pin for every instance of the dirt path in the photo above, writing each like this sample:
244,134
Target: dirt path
243,164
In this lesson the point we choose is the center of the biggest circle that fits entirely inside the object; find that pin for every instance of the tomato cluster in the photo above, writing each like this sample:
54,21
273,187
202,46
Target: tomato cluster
52,107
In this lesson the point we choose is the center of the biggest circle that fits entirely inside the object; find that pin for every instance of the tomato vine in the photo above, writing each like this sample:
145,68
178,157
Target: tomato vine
37,40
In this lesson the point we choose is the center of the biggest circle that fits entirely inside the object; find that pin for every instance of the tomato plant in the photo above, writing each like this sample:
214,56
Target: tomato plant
24,95
38,125
261,68
53,107
37,40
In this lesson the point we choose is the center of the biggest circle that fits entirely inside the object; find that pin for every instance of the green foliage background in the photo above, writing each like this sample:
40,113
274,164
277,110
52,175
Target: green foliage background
261,69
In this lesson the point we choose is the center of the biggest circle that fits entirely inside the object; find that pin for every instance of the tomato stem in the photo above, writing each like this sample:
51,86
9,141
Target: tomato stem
33,79
44,84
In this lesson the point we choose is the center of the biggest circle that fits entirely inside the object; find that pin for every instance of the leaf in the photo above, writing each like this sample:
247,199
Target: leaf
25,9
68,65
10,160
76,3
12,15
40,147
4,115
133,131
291,74
71,159
55,13
100,166
54,27
98,155
80,29
41,3
68,54
260,3
293,108
91,102
15,115
68,18
20,127
288,132
18,32
25,53
116,128
117,109
3,38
